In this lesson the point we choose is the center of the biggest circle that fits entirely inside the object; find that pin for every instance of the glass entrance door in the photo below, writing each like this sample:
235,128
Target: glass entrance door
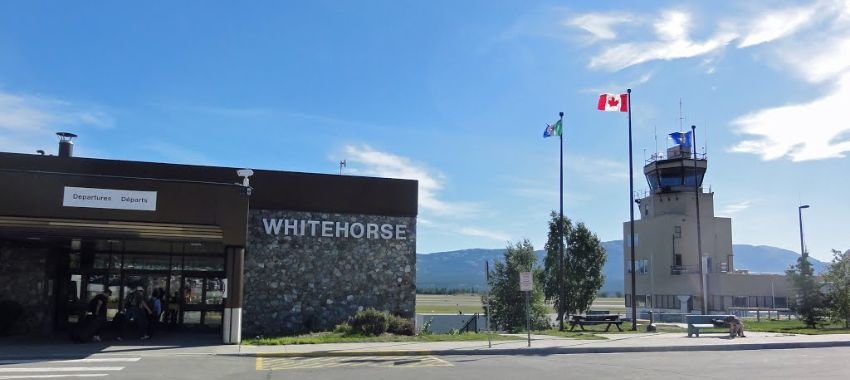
188,275
203,300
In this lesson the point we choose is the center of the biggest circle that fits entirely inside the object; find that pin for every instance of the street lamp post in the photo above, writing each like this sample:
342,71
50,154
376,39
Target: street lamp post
802,244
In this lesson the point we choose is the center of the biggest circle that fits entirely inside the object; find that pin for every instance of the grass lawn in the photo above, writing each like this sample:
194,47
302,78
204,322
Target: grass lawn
471,303
793,327
330,337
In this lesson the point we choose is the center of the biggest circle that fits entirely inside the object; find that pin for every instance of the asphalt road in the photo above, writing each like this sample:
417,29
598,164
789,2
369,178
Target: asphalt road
820,363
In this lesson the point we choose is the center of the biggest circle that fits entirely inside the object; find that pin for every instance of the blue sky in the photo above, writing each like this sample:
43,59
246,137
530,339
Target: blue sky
456,95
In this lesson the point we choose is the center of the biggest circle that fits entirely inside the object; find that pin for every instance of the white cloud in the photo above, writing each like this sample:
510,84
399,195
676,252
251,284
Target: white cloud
672,33
368,161
599,25
29,122
807,131
778,24
476,232
734,208
819,59
673,41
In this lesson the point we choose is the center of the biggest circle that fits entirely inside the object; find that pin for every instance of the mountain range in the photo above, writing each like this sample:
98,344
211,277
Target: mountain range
464,269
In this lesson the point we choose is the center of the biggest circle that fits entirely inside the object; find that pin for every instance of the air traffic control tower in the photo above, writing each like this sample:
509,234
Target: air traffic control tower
671,235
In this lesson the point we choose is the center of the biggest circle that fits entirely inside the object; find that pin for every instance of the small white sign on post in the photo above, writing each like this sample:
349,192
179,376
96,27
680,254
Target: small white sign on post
526,281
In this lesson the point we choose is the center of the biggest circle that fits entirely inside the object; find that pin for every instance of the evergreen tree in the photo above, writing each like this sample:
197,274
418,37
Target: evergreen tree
584,257
838,278
506,301
808,301
551,285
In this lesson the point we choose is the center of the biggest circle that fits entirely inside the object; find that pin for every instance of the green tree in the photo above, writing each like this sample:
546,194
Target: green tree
808,301
584,257
506,301
838,278
551,285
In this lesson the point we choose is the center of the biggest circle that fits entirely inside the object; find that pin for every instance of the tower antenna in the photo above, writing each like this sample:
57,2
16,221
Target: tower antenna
655,130
680,116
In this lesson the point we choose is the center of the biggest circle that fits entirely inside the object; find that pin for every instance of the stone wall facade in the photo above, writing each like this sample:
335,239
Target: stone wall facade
23,280
311,271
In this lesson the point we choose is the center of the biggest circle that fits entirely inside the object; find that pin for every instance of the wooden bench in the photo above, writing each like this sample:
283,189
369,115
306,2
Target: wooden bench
697,322
595,319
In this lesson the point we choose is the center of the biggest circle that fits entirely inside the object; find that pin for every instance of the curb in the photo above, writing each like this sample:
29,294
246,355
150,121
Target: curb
549,350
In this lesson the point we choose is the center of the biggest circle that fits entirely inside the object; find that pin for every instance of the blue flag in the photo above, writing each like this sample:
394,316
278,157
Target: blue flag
682,138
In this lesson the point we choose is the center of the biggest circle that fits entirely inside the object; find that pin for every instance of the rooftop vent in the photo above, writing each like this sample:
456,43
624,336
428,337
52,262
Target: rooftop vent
66,144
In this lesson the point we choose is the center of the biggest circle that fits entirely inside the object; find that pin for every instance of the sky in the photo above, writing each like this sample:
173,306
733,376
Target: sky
456,94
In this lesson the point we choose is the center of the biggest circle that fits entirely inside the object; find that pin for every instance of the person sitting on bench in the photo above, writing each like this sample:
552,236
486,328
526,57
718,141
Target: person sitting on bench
736,327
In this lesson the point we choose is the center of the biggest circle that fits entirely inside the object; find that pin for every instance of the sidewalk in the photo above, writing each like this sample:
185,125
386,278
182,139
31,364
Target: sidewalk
540,345
549,345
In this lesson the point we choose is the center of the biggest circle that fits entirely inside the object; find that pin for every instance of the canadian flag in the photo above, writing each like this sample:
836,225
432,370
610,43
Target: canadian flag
613,102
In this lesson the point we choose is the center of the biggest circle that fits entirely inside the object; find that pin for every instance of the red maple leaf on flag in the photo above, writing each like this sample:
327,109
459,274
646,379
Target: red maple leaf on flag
612,101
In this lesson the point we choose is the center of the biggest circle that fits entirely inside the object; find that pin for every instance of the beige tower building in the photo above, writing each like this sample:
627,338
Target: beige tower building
669,236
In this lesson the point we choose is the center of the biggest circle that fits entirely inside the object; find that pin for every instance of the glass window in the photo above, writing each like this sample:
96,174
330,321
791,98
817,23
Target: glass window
74,291
176,264
641,267
96,285
739,302
203,248
74,260
193,290
201,263
214,291
101,261
212,318
116,261
192,317
147,246
147,262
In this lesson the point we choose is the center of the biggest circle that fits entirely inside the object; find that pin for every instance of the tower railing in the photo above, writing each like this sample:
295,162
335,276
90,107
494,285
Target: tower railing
660,157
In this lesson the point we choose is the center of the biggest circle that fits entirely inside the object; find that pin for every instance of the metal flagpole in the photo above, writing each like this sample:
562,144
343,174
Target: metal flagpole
702,284
561,306
632,213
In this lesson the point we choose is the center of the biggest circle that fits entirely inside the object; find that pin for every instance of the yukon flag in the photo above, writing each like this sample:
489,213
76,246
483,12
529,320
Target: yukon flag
614,103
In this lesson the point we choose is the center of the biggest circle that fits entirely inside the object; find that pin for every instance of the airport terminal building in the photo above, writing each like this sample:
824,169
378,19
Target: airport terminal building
282,252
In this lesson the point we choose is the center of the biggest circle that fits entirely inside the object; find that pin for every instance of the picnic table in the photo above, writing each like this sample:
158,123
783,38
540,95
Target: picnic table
596,319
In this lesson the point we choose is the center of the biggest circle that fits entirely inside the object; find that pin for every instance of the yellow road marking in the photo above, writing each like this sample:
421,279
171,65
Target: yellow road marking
272,364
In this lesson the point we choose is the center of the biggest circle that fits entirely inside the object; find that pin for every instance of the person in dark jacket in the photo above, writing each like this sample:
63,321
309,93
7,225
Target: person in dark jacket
97,308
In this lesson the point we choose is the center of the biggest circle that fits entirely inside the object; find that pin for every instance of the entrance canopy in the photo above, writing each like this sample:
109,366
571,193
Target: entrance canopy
30,227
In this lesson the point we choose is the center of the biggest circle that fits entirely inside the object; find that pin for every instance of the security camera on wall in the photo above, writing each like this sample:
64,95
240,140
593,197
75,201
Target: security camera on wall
245,174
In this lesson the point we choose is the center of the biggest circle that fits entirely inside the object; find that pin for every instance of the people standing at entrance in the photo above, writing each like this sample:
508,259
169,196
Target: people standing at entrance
97,308
156,310
138,312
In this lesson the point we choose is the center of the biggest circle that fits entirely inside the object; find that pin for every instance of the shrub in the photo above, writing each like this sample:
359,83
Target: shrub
369,322
400,326
343,328
426,328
